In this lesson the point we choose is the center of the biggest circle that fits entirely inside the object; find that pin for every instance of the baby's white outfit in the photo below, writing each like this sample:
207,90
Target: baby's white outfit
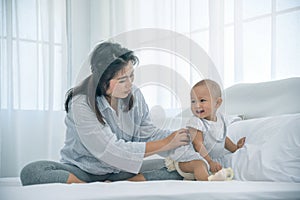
214,135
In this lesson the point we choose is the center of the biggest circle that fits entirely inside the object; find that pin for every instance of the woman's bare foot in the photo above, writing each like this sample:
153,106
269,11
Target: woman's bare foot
138,177
73,179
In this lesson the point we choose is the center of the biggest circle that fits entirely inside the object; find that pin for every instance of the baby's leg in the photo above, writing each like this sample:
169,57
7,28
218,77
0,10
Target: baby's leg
198,167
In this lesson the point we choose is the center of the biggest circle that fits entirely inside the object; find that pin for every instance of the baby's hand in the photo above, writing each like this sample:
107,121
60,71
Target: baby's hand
241,142
215,166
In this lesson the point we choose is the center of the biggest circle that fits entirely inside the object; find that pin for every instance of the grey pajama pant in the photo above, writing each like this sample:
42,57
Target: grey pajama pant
41,172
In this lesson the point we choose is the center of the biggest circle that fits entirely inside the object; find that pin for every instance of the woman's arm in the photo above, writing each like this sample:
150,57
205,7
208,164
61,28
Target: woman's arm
104,145
157,140
176,139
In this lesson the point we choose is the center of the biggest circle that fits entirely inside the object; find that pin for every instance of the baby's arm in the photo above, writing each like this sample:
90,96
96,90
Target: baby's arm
230,146
197,138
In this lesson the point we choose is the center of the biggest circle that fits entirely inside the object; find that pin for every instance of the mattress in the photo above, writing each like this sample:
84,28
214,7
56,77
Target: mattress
11,189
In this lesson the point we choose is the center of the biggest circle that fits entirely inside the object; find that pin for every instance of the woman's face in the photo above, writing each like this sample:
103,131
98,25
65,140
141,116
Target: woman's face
120,85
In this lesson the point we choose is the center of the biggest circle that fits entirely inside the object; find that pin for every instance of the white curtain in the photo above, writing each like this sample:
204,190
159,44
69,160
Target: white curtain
33,82
248,41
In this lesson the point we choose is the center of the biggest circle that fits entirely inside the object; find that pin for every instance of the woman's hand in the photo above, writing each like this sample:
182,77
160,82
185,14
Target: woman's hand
176,139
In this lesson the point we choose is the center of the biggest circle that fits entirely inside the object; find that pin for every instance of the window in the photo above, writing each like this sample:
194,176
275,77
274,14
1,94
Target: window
33,67
261,40
248,40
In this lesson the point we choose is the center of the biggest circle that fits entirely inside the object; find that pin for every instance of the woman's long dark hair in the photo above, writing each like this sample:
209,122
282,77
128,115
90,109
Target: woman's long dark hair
106,61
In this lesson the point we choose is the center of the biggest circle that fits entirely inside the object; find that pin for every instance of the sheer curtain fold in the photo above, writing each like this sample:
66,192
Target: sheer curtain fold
248,40
33,82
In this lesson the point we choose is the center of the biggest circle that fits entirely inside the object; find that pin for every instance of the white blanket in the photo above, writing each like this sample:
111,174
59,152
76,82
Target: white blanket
271,151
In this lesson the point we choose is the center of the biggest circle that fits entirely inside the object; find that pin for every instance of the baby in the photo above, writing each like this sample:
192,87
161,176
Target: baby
208,133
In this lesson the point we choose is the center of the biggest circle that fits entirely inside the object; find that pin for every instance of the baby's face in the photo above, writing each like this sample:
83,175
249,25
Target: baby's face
203,105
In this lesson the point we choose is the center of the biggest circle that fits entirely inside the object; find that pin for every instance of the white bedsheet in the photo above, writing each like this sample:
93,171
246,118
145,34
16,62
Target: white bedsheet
10,189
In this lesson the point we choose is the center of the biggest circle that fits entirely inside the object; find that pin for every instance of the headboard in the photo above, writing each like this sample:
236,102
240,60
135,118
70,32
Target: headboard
263,99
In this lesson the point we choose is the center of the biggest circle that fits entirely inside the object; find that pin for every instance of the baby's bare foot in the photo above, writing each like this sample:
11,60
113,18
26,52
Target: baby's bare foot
224,174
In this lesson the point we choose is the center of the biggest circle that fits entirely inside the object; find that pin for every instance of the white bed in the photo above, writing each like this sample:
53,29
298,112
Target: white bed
268,167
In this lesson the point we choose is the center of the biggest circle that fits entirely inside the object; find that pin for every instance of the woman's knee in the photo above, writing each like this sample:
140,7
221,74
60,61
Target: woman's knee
37,172
29,173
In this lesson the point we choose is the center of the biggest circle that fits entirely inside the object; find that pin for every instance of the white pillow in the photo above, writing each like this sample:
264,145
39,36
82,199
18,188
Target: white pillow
271,151
263,99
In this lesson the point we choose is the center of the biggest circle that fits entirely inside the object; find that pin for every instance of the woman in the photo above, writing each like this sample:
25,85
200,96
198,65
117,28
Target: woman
109,130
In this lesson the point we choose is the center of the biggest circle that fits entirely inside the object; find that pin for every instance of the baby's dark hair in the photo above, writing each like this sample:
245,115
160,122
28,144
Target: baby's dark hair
213,87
